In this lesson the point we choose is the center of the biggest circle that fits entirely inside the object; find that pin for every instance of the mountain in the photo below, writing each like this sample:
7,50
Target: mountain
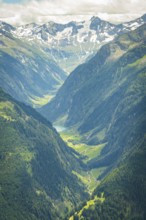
122,191
102,96
26,72
71,43
91,30
83,86
105,100
36,180
122,194
34,58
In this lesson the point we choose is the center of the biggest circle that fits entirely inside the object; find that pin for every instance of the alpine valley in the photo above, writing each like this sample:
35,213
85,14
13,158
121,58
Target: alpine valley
88,78
36,59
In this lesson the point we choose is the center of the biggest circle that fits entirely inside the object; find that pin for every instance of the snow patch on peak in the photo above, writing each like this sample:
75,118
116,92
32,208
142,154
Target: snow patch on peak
66,33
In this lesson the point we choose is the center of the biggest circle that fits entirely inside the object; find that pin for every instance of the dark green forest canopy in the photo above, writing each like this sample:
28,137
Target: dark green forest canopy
108,96
36,165
124,187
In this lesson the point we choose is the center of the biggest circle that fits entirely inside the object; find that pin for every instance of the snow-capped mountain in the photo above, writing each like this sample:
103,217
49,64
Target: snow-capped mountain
93,30
4,28
43,54
72,42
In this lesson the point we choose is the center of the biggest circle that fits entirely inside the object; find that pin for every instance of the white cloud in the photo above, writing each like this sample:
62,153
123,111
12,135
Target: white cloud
40,10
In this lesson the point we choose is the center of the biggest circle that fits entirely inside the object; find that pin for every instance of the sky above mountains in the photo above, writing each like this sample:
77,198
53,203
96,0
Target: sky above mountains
26,11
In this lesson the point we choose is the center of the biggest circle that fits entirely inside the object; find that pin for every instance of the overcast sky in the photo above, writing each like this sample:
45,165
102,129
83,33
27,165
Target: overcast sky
40,11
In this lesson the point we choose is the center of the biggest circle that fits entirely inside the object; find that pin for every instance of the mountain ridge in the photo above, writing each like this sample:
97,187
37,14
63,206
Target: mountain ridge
69,45
84,73
27,73
67,42
97,94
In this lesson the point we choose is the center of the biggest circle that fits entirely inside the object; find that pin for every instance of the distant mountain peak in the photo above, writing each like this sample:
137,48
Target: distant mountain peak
144,17
51,23
67,41
6,26
31,25
95,18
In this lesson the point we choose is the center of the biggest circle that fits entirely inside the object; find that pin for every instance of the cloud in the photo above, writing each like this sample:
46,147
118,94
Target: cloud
39,11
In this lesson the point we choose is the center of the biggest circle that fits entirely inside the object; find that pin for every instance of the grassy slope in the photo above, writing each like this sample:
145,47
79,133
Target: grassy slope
36,180
83,86
124,129
27,72
85,153
124,187
117,117
104,94
124,190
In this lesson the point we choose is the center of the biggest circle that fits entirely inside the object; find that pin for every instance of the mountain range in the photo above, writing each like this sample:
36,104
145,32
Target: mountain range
101,105
71,43
44,54
104,99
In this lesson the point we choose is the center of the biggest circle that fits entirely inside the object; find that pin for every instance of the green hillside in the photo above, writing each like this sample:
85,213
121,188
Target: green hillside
97,80
102,108
123,190
104,100
36,180
105,94
27,72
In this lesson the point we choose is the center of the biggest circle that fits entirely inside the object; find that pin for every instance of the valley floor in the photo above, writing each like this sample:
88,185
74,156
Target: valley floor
85,153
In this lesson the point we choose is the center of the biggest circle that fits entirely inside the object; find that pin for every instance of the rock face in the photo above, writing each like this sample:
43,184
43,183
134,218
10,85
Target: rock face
71,43
92,30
